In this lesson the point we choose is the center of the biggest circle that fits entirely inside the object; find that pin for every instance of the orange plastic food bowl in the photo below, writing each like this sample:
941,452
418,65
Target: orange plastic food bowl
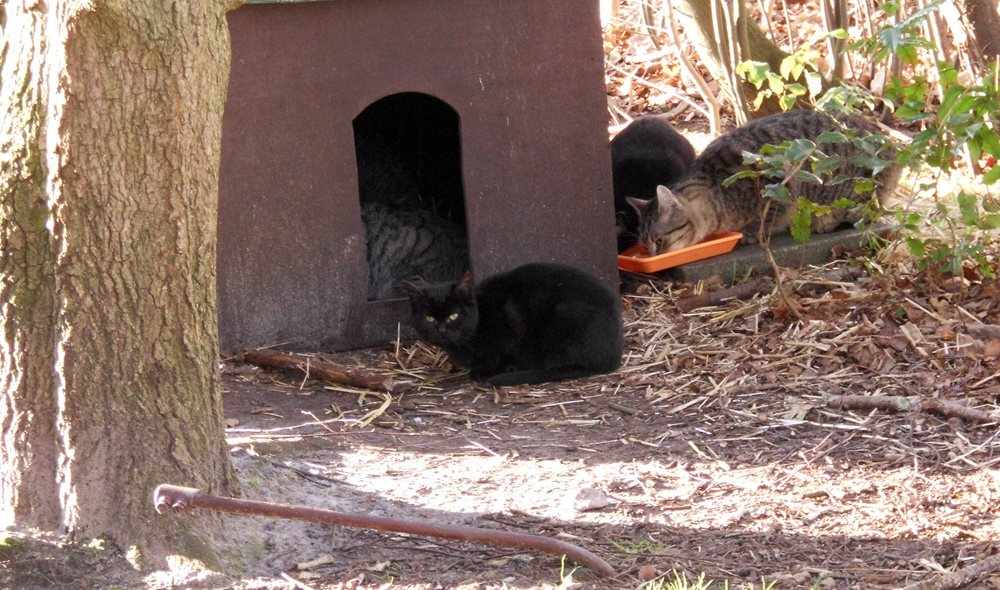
636,260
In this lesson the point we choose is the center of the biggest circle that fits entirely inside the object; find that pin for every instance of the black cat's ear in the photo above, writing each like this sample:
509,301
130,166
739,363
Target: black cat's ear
639,205
465,284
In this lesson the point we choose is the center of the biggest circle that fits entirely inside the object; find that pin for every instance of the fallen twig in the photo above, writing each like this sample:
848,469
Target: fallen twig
958,578
912,403
323,369
167,497
813,285
741,291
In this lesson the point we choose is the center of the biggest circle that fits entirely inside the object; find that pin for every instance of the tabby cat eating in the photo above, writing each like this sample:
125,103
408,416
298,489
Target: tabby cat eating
698,205
536,323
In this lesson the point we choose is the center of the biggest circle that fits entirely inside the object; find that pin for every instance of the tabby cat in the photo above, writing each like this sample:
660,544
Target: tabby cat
405,235
647,153
536,323
698,205
405,242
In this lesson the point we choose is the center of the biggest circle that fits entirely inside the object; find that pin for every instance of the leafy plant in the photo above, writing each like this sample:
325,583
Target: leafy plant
797,76
956,234
776,166
902,39
565,578
958,120
964,123
967,240
635,547
10,546
679,581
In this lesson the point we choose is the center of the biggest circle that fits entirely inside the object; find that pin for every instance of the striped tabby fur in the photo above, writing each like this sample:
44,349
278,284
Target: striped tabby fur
406,242
698,205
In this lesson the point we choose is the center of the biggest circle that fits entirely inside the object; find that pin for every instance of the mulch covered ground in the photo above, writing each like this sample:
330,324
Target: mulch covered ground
725,446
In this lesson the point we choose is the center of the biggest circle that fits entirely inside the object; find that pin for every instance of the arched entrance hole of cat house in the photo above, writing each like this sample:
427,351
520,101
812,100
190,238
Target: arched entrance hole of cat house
410,189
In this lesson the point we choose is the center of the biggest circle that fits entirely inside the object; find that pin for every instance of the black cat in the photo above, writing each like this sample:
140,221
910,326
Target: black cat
538,322
647,153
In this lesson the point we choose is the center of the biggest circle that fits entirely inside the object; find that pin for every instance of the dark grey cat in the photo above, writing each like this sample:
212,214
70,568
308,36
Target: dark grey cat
698,205
649,152
536,323
406,242
383,175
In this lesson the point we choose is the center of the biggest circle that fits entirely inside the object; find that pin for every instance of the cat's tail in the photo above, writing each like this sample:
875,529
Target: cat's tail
535,376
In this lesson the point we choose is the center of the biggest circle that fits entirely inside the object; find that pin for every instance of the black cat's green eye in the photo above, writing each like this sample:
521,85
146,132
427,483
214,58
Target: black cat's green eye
430,319
453,317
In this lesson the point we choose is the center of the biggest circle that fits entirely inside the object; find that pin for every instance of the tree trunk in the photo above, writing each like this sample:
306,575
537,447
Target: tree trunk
715,48
835,17
108,339
984,15
717,43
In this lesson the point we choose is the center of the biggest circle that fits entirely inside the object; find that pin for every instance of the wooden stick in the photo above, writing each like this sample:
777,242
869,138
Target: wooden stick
172,498
323,369
912,403
958,578
766,284
984,331
742,291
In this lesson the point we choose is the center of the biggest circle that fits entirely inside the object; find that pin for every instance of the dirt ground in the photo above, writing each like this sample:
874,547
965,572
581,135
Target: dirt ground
712,451
718,449
715,450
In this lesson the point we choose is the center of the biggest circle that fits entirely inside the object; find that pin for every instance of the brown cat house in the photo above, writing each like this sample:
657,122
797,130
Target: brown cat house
491,112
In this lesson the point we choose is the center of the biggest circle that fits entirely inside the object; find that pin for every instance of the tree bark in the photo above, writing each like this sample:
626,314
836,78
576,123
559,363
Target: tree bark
714,47
984,15
108,340
706,28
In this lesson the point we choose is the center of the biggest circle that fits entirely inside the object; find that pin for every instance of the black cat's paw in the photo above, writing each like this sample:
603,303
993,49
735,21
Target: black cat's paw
487,373
481,373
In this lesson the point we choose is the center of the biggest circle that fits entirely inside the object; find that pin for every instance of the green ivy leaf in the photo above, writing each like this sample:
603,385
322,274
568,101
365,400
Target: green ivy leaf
775,82
787,64
755,72
968,206
911,111
778,192
799,149
947,73
989,140
916,247
795,89
739,176
864,185
806,176
990,221
801,227
843,204
815,83
831,137
908,54
825,166
992,176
